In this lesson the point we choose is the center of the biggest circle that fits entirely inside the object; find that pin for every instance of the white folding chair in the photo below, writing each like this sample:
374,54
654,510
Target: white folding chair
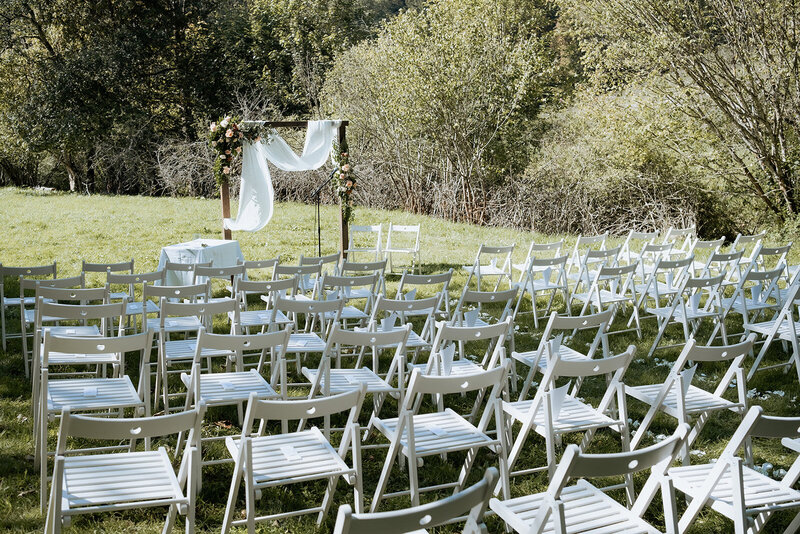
538,251
583,244
552,343
113,482
364,288
187,318
748,245
123,267
681,239
327,379
351,268
15,273
470,503
403,239
251,320
470,310
702,250
678,397
157,293
781,326
27,312
662,283
261,269
587,268
755,293
486,265
227,276
110,395
309,337
365,240
582,507
728,264
412,284
387,312
555,411
308,278
547,275
733,488
417,435
612,288
129,282
267,461
687,309
234,388
72,299
634,245
329,265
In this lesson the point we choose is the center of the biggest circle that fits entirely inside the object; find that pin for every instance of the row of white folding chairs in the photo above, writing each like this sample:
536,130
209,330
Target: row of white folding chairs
424,428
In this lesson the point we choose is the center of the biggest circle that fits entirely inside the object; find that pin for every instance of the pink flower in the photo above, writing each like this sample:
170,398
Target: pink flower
238,149
349,183
229,133
213,126
346,167
228,151
226,170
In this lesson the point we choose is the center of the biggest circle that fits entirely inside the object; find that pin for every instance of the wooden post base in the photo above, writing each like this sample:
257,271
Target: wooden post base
225,196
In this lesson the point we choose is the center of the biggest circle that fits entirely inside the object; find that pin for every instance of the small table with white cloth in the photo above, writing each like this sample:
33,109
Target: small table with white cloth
220,252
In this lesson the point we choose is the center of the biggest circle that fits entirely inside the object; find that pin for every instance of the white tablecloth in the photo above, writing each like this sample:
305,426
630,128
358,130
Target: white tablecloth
220,252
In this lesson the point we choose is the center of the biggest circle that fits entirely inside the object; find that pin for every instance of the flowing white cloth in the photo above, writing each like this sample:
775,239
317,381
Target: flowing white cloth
256,195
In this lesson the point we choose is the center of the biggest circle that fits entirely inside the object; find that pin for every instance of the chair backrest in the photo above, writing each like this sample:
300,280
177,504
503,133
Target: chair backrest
184,267
471,502
223,273
285,271
362,267
756,424
205,311
190,292
385,308
79,312
119,267
372,339
32,284
681,238
344,284
135,428
132,280
635,243
412,231
16,273
83,295
329,260
268,288
416,281
768,257
560,367
304,409
118,345
322,313
479,298
545,250
253,266
424,384
366,238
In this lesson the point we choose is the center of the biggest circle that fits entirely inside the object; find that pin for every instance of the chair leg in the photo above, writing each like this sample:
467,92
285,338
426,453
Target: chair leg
233,493
326,501
385,472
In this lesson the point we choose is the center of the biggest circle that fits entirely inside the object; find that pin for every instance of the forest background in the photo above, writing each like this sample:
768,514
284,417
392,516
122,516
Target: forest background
563,116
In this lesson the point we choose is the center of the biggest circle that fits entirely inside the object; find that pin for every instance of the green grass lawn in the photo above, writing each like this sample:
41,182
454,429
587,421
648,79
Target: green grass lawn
40,228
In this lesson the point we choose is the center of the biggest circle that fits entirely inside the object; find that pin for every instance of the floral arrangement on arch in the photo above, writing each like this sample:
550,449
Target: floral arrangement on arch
344,179
226,137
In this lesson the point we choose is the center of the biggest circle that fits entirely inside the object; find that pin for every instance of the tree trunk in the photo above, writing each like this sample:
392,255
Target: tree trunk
72,173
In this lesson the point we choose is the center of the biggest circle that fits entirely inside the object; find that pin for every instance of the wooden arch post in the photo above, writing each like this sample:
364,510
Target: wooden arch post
225,191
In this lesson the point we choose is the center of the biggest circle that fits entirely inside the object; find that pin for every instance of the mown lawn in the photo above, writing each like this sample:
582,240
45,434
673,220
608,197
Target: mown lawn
40,228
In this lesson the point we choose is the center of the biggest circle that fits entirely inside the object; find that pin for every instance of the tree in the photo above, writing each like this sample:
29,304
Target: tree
443,101
732,64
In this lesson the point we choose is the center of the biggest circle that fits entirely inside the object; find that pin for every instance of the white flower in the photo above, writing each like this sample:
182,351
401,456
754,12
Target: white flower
224,122
213,126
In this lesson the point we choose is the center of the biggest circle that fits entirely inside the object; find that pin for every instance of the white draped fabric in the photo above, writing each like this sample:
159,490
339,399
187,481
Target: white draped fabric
255,193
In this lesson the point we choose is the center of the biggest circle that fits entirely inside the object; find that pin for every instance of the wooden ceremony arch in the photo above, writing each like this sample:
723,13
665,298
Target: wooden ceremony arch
225,192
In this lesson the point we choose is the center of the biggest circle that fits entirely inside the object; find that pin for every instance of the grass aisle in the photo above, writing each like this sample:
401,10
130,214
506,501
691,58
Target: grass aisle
39,228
